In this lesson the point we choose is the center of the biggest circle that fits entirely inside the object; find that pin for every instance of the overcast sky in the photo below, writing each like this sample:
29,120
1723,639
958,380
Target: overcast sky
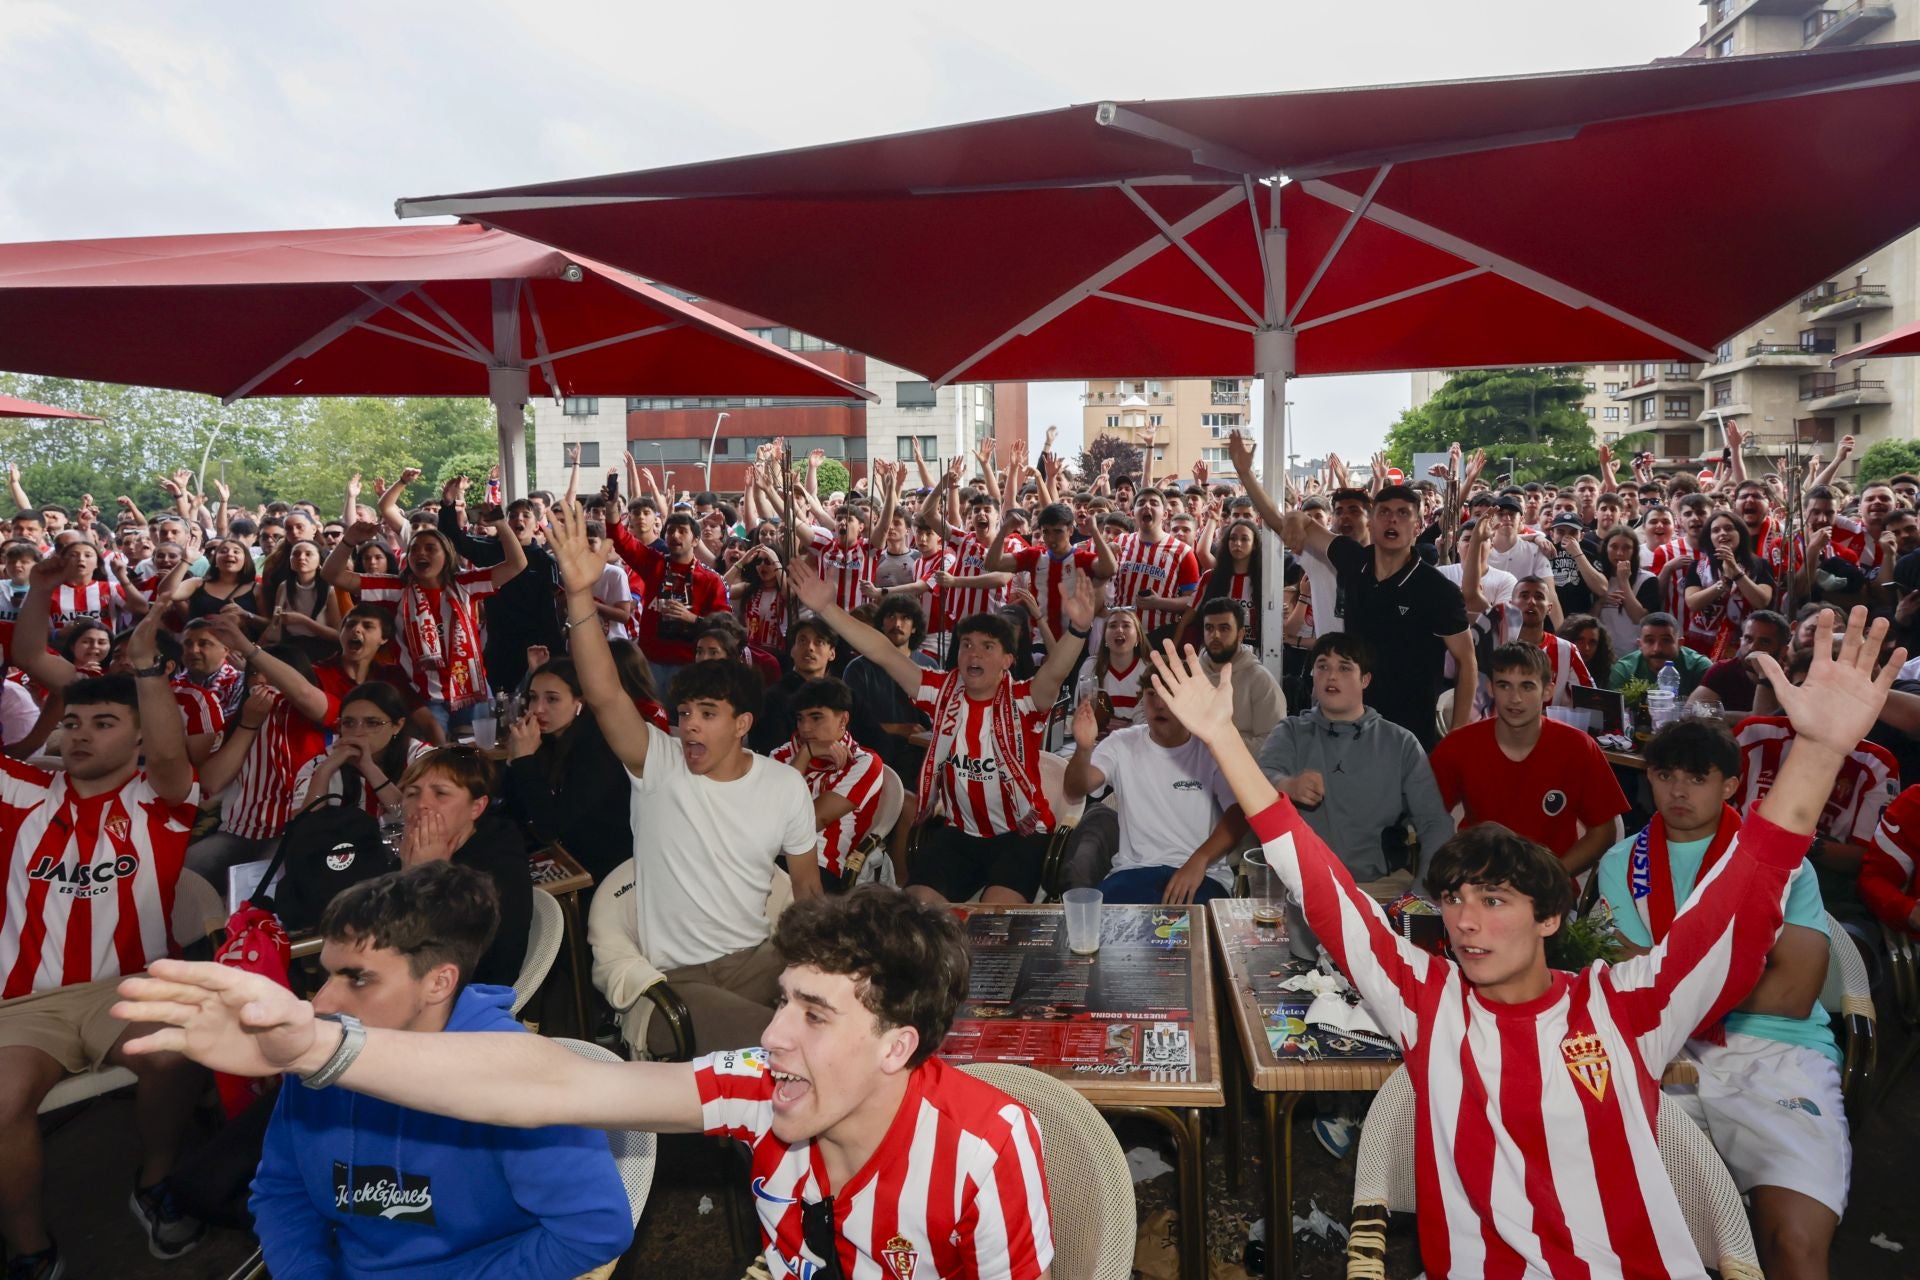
136,118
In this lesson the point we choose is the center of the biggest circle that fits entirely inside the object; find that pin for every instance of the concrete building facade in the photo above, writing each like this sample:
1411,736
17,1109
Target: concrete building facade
1191,417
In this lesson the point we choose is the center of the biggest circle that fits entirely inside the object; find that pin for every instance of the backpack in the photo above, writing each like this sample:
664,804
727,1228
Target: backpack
328,846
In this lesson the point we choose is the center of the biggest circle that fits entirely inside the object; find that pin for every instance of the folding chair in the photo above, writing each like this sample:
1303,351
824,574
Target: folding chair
633,1150
548,931
1845,994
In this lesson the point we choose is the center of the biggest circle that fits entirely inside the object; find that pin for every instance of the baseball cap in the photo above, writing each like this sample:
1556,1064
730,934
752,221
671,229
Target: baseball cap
1567,520
1507,502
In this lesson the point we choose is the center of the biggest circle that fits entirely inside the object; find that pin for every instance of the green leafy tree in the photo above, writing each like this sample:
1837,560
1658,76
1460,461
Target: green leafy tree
1885,458
474,466
834,477
1530,414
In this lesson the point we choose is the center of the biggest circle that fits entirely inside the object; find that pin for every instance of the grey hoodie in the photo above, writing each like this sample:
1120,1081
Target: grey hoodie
1375,776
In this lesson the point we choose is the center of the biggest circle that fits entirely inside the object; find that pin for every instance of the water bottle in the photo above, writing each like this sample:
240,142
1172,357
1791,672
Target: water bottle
1669,680
1664,697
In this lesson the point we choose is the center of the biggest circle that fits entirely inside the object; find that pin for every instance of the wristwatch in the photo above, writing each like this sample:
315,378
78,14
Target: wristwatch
159,668
353,1038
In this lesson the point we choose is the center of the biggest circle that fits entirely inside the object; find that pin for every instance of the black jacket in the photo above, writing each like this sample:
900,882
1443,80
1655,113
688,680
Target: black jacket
574,790
497,848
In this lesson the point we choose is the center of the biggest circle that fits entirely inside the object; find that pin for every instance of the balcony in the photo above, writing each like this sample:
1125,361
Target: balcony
1666,377
1132,399
1228,397
1823,391
1831,302
1827,28
1772,355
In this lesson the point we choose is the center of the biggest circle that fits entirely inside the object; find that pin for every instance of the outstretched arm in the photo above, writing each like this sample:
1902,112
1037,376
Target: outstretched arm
814,592
1077,612
626,731
163,734
31,629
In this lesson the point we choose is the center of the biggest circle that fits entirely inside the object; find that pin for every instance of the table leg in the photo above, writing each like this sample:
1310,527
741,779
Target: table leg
1190,1165
1236,1112
577,961
1279,1138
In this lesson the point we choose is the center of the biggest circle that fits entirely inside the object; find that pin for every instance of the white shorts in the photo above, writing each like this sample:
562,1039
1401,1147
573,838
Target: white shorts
1775,1115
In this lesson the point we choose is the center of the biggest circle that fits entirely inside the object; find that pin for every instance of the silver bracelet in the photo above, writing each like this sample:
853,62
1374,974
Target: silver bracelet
353,1038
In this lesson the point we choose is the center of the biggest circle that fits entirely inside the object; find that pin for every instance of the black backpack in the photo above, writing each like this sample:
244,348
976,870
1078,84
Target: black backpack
328,846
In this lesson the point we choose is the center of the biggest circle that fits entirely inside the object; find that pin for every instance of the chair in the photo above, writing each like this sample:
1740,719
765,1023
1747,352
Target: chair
1846,994
1089,1187
633,1151
870,855
198,913
1383,1183
543,948
1904,978
1066,814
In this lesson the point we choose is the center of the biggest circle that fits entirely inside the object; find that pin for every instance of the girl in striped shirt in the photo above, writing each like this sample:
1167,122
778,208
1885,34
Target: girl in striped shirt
1536,1091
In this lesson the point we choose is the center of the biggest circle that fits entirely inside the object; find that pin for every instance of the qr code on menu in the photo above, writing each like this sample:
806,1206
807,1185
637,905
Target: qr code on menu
1165,1048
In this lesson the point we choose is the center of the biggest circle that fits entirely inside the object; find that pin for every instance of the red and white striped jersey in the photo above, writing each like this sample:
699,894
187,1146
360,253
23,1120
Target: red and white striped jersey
1867,781
970,561
439,637
1166,569
1501,625
337,785
1886,871
90,880
98,600
1534,1150
1664,554
844,568
228,686
859,783
935,600
1122,687
1852,542
199,709
957,1187
764,614
1052,579
969,781
261,800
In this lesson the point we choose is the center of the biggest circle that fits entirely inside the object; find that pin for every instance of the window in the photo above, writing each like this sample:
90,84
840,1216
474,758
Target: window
1646,410
581,406
1216,457
1611,413
668,451
1814,430
1723,354
1156,420
1220,423
1113,419
1722,48
1613,388
1677,407
1856,331
1722,393
1592,412
929,449
1589,386
913,395
1819,341
1676,444
589,453
1679,371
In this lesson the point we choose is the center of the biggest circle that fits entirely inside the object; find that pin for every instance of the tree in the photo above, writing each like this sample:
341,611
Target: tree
474,466
1885,458
834,477
1530,414
1126,457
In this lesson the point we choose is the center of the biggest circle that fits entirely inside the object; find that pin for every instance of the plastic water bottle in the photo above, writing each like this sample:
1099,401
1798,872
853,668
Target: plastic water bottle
1663,699
1669,680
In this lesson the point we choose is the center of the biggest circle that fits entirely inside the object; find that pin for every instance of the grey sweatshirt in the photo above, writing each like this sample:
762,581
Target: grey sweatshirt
1375,776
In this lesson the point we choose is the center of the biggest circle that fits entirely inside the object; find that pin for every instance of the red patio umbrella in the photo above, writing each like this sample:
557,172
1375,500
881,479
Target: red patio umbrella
389,311
1440,225
13,407
1901,342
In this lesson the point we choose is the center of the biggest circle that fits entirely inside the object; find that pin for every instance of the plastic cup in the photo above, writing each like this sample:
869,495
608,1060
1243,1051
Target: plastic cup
1083,920
1263,889
486,731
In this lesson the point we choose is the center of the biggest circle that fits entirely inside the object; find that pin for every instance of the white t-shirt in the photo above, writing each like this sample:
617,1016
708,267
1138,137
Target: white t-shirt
1169,799
1524,561
1496,585
1324,583
613,588
703,852
18,712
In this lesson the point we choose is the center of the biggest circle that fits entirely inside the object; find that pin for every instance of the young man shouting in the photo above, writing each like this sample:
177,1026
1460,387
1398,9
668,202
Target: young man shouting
1536,1090
870,1156
1769,1091
983,768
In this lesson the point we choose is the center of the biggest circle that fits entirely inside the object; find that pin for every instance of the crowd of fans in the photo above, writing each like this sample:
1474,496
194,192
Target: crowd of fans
689,691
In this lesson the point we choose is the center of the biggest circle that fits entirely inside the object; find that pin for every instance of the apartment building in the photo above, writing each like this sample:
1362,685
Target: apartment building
1191,418
1777,378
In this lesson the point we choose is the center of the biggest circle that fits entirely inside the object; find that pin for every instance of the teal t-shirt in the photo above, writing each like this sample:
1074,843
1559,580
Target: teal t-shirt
1803,908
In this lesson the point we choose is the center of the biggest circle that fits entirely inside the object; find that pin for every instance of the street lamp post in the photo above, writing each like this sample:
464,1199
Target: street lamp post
712,445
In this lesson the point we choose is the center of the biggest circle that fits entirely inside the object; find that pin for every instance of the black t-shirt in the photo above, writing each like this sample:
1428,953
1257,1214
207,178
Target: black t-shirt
1405,620
1575,595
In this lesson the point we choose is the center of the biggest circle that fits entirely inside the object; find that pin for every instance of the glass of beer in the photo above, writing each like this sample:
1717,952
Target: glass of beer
1264,889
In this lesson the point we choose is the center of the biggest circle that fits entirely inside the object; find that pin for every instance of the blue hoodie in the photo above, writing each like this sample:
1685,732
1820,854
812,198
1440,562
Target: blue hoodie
353,1186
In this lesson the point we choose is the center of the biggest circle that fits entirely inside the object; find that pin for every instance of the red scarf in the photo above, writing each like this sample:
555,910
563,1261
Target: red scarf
1006,745
1651,871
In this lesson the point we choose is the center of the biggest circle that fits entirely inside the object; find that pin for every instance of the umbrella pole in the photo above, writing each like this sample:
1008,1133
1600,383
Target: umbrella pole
1273,358
507,388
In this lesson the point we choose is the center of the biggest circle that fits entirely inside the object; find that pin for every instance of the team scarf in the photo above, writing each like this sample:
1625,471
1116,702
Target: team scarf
440,641
1650,871
1719,630
1007,747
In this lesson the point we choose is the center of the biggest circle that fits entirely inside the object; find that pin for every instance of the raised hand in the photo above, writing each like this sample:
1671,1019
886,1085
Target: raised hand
1086,725
353,489
957,467
1846,448
523,738
1078,608
455,489
245,1024
806,583
360,531
580,564
408,475
1240,450
1206,709
1841,697
1734,436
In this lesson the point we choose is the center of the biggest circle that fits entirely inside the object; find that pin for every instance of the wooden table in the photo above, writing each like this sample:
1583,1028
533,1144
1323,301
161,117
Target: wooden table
1626,759
1131,1028
554,870
1250,958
